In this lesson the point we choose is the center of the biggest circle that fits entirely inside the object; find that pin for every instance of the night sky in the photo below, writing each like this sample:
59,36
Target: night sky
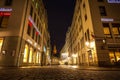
60,14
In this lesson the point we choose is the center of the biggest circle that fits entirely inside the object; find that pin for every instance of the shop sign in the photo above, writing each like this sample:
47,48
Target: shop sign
113,1
5,13
5,9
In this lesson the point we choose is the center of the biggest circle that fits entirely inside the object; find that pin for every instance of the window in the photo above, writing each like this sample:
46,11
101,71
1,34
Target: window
85,17
36,5
1,42
82,41
87,35
83,5
29,30
35,17
31,11
37,57
8,2
106,30
4,21
116,29
38,39
36,36
114,56
26,50
30,55
102,10
33,33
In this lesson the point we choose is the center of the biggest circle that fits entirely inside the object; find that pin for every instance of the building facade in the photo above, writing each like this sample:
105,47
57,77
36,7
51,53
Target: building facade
95,32
24,36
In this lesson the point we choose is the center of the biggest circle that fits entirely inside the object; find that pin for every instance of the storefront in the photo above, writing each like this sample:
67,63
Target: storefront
1,42
114,55
31,56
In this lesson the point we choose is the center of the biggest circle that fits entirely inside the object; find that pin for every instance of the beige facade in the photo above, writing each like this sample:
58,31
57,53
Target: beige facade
24,36
95,33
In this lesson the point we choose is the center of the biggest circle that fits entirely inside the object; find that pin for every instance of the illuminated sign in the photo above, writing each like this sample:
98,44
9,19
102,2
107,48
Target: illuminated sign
113,1
5,13
5,9
107,19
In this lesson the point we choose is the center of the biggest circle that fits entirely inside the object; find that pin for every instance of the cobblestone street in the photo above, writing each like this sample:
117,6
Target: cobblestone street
58,73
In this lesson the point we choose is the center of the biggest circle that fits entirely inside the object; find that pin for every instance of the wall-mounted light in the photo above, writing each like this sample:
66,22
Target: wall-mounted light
4,52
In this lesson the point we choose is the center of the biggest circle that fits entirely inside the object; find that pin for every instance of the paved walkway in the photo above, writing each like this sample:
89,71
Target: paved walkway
94,68
59,73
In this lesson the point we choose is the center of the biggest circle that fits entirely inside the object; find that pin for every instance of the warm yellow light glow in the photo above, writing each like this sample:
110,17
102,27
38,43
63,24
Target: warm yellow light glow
37,58
74,55
87,43
30,55
1,42
74,66
92,44
25,53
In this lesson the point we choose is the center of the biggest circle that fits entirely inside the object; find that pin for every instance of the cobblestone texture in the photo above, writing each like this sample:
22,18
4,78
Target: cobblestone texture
58,73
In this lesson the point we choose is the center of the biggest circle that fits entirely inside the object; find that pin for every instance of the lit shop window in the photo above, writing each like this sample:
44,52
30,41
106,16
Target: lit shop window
25,53
1,42
116,29
30,55
37,58
106,30
117,55
114,56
